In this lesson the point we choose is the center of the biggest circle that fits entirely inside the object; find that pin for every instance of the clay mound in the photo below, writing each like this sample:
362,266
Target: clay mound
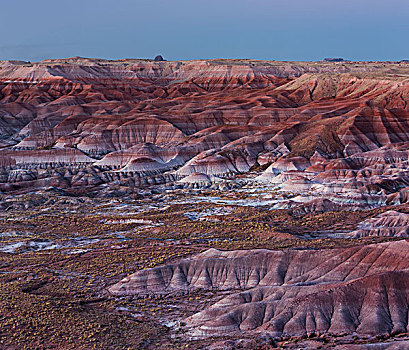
101,135
287,164
285,169
198,179
319,205
209,163
145,165
285,177
264,267
294,292
140,158
390,223
297,183
378,306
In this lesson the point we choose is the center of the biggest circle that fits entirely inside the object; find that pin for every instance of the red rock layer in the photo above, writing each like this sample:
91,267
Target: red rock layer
128,119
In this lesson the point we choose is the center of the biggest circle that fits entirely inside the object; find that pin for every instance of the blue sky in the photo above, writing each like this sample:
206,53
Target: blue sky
191,29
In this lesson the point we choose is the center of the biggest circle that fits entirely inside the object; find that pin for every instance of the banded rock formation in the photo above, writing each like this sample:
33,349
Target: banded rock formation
390,223
293,293
333,129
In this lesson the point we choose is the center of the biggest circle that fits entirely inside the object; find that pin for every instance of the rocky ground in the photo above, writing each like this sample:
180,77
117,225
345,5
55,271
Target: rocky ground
215,204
